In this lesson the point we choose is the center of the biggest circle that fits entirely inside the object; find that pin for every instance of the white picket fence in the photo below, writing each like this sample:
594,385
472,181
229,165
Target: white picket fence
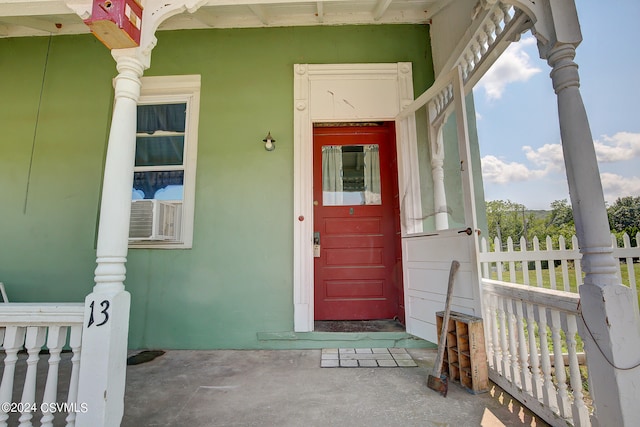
533,325
504,265
26,330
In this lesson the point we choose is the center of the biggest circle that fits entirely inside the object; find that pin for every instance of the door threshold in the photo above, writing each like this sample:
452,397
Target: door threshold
384,325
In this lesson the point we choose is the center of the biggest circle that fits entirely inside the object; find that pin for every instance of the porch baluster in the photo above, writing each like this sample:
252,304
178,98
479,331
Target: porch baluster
515,365
497,350
558,362
580,411
507,9
548,391
75,341
489,325
503,338
489,29
33,344
533,352
525,375
496,17
13,340
57,336
482,42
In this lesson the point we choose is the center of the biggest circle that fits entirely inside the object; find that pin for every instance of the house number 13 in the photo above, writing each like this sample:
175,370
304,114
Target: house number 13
105,313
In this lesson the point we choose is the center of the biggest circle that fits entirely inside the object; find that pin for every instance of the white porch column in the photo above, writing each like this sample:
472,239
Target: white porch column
105,332
612,326
437,171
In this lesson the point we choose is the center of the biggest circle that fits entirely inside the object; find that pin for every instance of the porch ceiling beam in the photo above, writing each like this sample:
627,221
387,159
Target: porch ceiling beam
260,12
60,7
207,18
381,8
320,11
437,7
259,2
33,23
34,8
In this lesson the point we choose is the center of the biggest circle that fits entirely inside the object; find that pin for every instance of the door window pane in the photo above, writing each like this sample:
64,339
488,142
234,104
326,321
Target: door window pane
351,175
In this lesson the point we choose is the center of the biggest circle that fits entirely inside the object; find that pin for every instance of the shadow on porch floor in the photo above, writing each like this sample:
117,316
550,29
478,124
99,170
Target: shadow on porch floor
289,388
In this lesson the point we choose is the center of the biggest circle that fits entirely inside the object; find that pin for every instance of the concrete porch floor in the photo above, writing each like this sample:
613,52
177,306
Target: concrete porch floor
289,388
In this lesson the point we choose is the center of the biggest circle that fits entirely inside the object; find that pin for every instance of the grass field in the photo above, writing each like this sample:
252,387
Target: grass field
546,276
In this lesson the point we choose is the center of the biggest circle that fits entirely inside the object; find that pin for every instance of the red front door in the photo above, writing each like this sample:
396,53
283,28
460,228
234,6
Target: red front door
357,272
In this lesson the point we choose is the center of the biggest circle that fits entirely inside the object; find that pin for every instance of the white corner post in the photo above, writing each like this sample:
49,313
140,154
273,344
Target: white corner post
106,326
611,330
437,171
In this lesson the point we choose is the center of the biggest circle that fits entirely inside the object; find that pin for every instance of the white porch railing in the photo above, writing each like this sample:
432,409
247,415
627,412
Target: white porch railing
526,298
32,328
532,338
562,263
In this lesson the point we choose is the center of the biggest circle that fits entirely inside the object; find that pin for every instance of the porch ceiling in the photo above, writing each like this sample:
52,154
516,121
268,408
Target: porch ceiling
20,18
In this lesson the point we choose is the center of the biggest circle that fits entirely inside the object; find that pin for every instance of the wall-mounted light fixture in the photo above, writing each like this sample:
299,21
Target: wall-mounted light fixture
269,142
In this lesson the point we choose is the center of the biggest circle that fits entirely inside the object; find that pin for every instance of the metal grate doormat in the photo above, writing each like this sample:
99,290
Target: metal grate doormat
366,358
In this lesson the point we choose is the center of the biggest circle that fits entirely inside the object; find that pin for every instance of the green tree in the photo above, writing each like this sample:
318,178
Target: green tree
561,214
624,217
505,219
560,221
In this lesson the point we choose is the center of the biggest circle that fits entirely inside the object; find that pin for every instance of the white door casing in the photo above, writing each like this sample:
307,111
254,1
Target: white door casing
345,93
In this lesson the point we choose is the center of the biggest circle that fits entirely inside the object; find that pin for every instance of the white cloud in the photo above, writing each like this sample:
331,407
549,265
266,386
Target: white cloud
621,146
514,65
500,172
548,159
615,186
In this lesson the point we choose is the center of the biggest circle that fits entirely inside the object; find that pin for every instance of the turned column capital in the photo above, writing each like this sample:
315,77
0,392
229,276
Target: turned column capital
130,68
564,73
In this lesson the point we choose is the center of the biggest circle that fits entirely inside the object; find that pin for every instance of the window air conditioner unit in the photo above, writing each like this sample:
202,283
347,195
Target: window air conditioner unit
153,220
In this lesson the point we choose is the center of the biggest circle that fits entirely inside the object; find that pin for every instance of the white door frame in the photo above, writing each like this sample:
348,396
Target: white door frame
346,93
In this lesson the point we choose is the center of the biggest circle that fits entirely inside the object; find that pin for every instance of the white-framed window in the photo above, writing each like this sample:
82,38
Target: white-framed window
164,177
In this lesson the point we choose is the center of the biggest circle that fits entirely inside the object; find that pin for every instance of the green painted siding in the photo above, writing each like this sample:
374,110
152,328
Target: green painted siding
236,281
54,146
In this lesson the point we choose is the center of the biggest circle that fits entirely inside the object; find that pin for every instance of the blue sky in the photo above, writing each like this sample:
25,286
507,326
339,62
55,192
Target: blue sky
517,114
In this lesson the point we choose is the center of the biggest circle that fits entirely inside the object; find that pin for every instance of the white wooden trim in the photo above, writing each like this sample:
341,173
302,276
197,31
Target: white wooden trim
469,196
41,314
344,93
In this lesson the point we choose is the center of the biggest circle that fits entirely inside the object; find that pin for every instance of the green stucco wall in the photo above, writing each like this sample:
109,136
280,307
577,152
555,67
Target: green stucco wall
236,281
49,200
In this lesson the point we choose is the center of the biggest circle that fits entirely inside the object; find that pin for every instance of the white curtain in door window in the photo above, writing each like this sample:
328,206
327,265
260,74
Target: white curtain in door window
372,175
332,175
